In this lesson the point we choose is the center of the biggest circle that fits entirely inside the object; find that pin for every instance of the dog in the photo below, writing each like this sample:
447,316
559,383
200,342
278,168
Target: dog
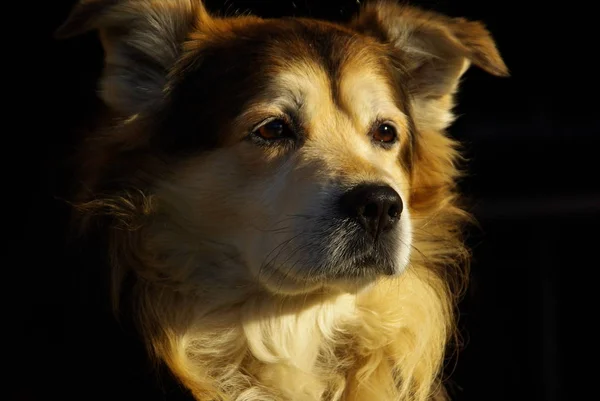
283,194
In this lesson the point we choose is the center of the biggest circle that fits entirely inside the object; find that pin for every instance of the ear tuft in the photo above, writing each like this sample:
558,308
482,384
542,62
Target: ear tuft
482,50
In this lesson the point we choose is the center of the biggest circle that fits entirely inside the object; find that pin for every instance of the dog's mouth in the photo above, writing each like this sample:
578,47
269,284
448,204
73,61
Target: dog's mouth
374,261
343,254
361,254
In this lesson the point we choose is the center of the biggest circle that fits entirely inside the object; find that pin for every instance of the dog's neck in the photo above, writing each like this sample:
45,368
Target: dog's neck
291,341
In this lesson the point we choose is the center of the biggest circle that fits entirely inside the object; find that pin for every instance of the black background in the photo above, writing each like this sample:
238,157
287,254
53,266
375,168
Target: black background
529,318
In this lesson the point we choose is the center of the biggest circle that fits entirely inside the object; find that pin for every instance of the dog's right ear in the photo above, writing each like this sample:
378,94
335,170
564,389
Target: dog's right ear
433,50
142,40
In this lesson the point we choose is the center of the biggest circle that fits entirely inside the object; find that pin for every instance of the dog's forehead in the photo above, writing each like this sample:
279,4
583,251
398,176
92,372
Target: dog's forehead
298,38
303,60
271,46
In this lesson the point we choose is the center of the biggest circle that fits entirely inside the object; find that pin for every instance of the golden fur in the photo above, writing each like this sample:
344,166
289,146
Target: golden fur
195,228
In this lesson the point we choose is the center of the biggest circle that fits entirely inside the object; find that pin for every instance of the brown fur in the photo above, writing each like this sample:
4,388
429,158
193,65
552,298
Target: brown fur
190,204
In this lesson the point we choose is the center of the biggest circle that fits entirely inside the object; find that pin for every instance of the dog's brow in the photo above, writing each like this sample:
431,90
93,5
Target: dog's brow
292,99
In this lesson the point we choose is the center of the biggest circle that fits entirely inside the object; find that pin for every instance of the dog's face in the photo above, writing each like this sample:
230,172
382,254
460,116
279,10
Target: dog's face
289,146
308,181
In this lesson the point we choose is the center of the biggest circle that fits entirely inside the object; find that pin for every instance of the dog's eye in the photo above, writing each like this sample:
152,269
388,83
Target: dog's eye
274,130
385,134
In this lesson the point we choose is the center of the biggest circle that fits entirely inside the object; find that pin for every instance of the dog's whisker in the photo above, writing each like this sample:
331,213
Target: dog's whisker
286,274
279,248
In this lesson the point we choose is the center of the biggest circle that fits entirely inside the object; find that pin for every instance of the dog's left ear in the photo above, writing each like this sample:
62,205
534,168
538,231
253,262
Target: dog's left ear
142,40
434,50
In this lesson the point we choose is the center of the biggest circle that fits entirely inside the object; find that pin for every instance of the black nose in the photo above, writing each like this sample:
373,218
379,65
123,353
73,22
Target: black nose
376,207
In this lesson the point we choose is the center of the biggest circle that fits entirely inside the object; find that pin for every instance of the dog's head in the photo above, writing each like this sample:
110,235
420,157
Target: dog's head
292,152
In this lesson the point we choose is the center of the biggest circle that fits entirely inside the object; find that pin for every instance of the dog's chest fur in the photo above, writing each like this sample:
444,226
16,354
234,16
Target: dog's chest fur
344,347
